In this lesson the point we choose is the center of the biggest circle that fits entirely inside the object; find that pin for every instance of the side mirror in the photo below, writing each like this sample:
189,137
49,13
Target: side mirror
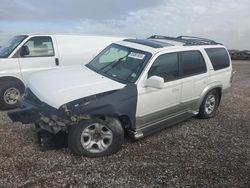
154,82
24,51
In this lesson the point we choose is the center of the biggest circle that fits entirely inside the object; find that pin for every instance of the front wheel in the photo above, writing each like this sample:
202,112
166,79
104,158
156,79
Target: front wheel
209,105
96,138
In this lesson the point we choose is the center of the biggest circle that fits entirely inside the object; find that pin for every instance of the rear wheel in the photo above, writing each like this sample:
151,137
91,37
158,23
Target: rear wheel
209,105
9,94
96,138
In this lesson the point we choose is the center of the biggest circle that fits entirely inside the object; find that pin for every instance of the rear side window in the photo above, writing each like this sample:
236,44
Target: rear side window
192,63
218,57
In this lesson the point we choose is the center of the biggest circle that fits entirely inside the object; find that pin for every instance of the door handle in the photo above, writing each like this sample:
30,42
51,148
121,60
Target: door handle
57,61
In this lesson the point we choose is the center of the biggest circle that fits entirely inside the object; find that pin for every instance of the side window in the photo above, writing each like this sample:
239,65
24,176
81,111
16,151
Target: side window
40,47
165,66
192,63
218,57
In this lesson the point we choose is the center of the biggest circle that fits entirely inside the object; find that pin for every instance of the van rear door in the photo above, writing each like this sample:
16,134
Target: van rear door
37,54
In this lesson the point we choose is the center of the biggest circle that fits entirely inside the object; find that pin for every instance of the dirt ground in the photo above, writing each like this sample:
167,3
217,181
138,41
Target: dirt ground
195,153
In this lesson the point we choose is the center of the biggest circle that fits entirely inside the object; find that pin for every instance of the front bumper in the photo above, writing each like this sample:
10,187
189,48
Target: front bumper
25,114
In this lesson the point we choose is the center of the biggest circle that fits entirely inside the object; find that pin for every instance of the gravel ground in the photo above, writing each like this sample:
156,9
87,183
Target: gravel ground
195,153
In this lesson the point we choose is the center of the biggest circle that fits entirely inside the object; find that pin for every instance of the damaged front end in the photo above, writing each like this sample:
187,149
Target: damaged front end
27,114
32,110
116,103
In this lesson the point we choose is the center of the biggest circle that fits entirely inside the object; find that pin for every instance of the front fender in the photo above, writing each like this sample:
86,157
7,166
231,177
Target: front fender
120,103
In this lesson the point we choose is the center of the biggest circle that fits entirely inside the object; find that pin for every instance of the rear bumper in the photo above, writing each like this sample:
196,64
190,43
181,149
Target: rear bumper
25,114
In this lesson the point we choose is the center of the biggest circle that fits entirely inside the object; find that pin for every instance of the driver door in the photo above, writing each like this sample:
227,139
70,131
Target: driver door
157,104
41,55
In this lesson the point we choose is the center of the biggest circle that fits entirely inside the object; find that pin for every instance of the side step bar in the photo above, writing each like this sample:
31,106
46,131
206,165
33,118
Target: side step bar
155,127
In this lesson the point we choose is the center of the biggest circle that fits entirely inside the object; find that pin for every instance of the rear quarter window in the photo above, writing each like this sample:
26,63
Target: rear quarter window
218,57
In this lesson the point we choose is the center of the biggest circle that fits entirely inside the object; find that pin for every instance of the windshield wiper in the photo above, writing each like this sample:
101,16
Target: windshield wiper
112,64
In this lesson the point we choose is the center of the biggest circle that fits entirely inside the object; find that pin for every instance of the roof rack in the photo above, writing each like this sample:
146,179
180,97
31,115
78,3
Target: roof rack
149,43
187,40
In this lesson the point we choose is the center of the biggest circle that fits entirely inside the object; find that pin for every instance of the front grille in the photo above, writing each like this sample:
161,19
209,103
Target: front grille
29,96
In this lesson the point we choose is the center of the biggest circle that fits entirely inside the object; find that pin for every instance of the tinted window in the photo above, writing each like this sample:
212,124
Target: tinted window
165,66
219,57
192,63
40,47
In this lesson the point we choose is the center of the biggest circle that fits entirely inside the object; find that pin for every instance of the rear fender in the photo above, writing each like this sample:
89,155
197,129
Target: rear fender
206,91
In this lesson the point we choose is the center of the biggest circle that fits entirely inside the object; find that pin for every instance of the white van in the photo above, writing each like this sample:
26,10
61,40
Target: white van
26,54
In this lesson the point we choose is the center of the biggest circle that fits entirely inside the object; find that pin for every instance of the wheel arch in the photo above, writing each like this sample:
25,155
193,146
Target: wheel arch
124,120
219,91
215,86
12,79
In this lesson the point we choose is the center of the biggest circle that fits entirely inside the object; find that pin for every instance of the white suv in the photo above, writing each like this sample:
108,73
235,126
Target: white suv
137,86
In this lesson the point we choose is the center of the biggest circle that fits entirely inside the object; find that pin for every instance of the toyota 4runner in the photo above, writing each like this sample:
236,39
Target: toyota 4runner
135,86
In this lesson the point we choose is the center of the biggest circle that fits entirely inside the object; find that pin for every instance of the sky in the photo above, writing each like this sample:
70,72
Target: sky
225,21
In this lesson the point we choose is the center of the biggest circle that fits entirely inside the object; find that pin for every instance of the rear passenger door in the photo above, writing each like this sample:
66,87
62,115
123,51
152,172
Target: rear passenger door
194,78
42,55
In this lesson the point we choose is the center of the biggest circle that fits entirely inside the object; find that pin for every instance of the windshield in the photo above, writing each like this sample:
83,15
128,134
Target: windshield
120,63
8,48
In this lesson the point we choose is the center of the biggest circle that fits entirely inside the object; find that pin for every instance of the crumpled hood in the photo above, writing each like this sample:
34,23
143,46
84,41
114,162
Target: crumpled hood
60,86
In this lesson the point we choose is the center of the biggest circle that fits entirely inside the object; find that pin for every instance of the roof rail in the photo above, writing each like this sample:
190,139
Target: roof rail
187,40
197,40
166,37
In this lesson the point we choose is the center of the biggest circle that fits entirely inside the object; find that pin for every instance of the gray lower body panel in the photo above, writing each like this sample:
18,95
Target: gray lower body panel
159,125
154,122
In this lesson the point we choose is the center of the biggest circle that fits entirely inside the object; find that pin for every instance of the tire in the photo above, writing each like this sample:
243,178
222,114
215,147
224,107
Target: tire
6,88
204,112
83,138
